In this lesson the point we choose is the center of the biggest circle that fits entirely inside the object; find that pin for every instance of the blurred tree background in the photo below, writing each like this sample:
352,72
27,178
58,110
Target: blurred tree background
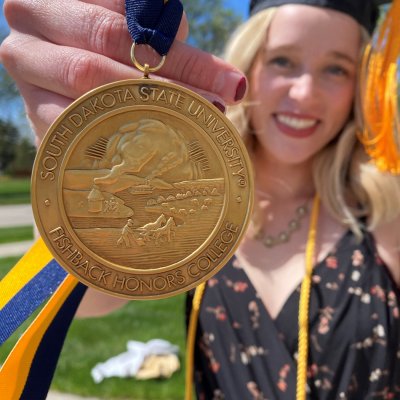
17,151
211,23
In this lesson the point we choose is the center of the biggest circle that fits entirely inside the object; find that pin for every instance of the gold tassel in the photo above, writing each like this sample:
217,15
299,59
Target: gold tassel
379,91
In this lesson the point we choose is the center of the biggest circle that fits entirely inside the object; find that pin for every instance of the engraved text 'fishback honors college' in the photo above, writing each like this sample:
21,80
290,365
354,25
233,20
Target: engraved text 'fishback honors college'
142,189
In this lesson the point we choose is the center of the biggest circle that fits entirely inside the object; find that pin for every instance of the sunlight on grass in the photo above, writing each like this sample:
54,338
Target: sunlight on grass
16,234
95,340
14,191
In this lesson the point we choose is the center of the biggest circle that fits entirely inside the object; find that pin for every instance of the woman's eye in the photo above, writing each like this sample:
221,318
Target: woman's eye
281,62
337,70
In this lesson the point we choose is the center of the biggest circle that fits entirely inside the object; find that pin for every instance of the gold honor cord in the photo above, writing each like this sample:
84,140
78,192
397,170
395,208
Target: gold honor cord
305,292
301,387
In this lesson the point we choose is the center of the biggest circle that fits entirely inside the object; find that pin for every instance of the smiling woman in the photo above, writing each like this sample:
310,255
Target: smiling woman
253,335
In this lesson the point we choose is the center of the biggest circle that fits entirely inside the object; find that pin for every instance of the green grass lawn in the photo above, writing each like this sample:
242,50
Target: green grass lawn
16,234
90,341
14,191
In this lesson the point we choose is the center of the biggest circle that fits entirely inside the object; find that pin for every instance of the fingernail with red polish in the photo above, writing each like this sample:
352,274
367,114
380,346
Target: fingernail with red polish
219,105
241,89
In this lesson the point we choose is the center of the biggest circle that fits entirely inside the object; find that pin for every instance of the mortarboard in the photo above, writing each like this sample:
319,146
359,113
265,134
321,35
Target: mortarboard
366,12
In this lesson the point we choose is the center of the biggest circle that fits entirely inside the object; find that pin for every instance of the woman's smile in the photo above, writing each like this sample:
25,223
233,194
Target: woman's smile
296,125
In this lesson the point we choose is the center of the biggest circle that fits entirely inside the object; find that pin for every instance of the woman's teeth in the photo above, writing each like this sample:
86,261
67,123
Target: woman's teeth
296,123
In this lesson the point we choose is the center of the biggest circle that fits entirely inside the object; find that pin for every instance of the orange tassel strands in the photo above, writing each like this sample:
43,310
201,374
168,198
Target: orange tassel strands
379,94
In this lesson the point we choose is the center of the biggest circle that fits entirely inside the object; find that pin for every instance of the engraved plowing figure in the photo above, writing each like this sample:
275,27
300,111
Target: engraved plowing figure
128,236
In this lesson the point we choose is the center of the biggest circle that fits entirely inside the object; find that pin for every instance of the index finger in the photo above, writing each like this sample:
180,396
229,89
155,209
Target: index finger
118,6
98,30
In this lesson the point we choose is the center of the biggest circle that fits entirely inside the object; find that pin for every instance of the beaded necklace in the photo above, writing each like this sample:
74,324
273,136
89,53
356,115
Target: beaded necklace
285,235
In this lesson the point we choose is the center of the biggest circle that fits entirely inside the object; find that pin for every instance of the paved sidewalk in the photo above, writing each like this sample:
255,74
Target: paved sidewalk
18,215
15,249
13,216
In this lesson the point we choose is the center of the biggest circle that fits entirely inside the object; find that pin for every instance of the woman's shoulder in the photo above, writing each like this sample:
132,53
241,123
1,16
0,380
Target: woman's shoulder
387,238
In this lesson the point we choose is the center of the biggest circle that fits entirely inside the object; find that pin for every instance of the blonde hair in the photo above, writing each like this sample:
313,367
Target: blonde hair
342,171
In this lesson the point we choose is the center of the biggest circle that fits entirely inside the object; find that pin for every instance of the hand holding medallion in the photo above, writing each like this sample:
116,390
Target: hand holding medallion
58,50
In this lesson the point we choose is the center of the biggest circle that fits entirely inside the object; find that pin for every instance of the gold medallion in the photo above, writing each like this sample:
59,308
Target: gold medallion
142,189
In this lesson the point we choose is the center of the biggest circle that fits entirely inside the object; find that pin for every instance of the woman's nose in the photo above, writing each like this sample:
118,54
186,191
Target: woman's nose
304,88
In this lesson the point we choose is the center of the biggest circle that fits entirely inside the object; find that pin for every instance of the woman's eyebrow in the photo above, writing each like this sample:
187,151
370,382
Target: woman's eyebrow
343,56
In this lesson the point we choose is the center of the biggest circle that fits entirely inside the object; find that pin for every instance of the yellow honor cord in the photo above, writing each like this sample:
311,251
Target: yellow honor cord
305,292
301,387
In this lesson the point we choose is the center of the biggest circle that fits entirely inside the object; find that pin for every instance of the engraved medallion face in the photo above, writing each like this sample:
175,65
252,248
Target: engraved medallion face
142,189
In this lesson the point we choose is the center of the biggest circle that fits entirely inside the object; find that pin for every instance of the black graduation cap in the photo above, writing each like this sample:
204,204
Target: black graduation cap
366,12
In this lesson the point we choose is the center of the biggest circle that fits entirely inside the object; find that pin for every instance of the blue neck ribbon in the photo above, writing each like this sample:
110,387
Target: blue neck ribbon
154,22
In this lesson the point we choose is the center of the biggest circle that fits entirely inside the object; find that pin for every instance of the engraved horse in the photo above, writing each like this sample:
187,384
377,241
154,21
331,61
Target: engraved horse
167,231
148,229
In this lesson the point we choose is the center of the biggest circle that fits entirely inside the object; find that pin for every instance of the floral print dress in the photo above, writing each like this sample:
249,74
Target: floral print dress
242,353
